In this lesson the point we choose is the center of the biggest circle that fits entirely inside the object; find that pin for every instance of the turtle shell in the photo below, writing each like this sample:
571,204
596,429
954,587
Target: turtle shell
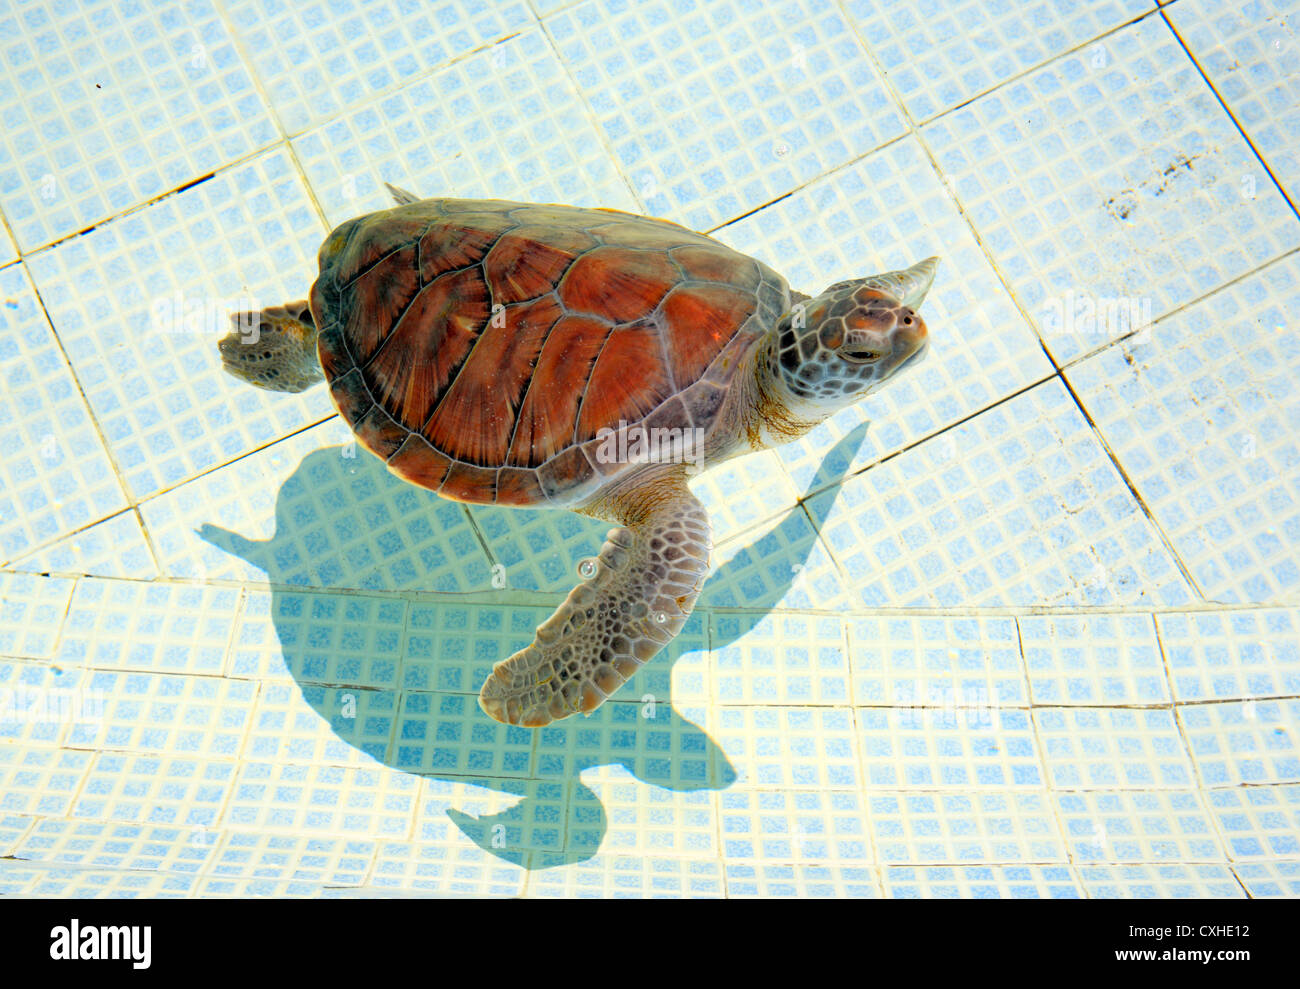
480,347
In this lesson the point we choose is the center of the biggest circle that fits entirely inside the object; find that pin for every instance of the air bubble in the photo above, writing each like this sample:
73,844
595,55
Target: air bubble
587,568
661,618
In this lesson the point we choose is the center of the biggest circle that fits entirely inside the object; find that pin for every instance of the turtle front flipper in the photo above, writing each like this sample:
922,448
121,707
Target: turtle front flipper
641,589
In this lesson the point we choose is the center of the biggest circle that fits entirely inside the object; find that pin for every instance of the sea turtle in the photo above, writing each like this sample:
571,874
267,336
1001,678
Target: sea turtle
546,356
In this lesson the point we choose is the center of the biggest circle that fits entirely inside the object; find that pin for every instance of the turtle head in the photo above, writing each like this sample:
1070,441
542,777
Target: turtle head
273,348
832,350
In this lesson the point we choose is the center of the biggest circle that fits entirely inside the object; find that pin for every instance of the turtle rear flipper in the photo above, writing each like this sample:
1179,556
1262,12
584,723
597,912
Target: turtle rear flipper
273,348
638,595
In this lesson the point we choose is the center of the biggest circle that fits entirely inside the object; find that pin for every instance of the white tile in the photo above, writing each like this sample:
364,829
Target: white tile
537,549
1113,748
462,132
1104,221
449,866
114,845
32,613
971,826
1019,506
781,564
801,880
949,749
115,547
652,821
1232,655
789,747
718,109
39,880
107,106
1139,826
8,249
512,820
1249,53
1246,742
1259,822
982,882
629,876
40,703
780,659
55,473
1278,878
320,800
742,493
307,723
349,640
938,664
41,779
1201,413
1093,660
139,303
131,625
317,59
13,827
164,713
315,510
1160,882
153,789
939,55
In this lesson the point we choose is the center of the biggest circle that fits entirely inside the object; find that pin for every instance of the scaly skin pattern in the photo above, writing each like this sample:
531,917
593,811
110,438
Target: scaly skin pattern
273,348
642,590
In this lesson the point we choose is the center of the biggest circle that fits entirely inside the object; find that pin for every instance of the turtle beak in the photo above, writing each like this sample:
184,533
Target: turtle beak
915,282
907,286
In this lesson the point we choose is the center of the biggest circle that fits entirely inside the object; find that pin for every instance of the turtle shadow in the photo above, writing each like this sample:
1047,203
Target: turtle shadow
396,673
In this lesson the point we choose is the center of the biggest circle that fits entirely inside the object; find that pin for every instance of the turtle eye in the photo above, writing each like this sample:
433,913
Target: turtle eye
860,355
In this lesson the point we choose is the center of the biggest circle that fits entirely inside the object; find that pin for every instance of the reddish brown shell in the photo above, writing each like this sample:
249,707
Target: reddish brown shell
479,346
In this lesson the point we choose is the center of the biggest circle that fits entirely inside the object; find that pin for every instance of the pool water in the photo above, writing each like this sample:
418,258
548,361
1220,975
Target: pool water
1022,623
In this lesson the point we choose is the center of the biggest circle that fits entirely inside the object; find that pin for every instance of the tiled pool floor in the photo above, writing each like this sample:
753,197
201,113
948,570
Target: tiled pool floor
1022,624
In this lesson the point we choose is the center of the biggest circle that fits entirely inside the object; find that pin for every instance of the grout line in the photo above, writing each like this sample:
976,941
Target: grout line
1123,473
271,111
859,740
27,831
1149,328
150,546
1044,765
1232,867
135,505
286,136
1228,110
1201,790
1080,46
588,110
1015,299
100,436
901,106
520,598
373,689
